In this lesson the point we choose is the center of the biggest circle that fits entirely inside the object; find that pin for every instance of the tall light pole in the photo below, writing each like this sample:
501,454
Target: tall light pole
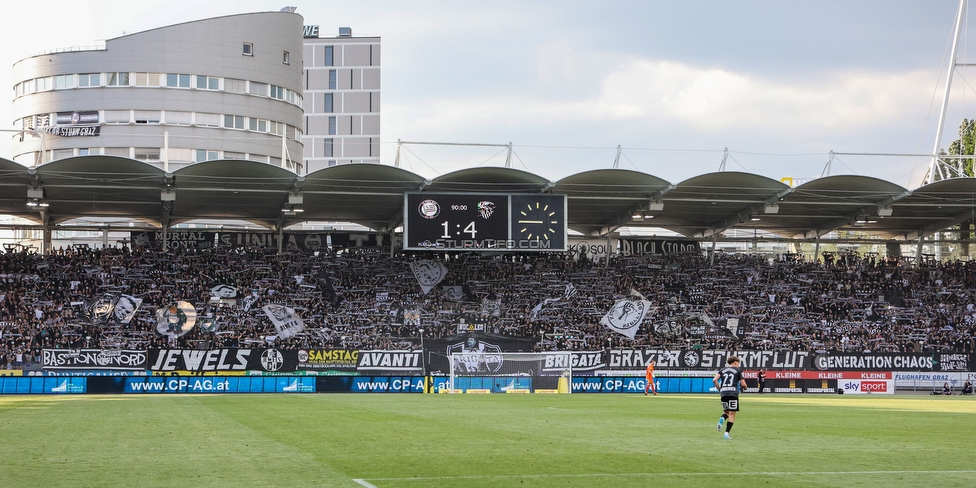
423,360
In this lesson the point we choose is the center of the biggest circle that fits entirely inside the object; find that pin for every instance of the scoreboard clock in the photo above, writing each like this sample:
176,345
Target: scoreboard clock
484,222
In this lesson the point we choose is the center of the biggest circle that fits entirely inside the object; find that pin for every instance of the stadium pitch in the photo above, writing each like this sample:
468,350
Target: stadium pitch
409,440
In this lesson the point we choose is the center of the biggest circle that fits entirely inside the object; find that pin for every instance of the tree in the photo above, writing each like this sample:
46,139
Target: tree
966,144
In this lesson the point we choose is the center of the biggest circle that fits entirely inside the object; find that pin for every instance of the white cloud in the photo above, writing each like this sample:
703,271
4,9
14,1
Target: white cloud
714,99
653,93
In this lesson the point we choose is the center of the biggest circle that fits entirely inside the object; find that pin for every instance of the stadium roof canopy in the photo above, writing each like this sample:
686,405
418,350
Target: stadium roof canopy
599,201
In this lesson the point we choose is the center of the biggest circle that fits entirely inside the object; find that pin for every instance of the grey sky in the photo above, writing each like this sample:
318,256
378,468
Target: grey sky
673,82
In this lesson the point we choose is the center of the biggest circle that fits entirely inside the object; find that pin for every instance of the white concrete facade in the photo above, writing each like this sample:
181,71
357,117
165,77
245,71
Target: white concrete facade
222,88
341,99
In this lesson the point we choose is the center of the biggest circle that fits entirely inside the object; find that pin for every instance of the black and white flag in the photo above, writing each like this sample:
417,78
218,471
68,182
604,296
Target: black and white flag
491,307
100,311
224,291
126,307
428,273
285,320
626,316
324,280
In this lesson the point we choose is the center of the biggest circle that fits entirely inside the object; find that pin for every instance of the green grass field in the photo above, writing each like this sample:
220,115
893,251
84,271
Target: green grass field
379,440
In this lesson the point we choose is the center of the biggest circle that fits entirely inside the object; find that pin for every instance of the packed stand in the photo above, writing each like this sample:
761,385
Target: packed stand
842,302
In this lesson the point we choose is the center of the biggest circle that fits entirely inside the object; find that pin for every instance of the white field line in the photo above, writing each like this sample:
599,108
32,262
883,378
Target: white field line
665,475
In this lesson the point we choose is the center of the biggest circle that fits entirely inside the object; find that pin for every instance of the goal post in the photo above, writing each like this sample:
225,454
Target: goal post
511,372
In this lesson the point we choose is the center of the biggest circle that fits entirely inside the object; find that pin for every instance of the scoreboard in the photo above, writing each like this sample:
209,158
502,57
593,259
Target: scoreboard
484,222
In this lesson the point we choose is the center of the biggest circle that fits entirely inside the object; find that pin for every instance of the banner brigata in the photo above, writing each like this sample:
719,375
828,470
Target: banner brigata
438,350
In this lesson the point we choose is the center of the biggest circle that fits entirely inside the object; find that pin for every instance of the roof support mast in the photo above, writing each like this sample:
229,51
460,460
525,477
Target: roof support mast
934,164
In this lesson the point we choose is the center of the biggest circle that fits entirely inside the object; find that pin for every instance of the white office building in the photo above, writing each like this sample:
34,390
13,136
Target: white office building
222,88
341,99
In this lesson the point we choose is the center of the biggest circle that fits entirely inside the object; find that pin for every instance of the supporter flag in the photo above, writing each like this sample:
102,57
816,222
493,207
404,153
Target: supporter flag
626,316
491,307
453,293
736,327
208,322
411,316
224,291
570,290
126,307
249,301
324,279
100,310
176,319
428,273
285,320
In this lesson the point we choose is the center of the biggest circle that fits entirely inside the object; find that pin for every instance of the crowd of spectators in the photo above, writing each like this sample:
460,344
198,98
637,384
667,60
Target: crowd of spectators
840,302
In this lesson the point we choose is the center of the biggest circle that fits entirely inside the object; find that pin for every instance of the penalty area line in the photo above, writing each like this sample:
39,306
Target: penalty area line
663,475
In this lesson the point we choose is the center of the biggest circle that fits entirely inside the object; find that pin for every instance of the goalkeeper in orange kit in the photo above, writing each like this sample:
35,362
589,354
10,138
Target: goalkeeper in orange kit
649,374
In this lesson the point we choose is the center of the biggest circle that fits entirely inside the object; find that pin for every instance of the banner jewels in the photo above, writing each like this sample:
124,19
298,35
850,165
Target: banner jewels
626,316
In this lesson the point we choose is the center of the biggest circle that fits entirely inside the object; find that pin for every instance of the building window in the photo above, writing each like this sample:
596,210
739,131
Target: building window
117,117
233,85
276,128
257,88
285,57
234,155
328,148
329,53
234,121
117,79
332,126
205,155
333,76
62,82
248,49
203,119
208,82
177,80
44,84
90,79
257,125
147,79
89,151
147,116
328,103
177,118
277,92
147,154
61,154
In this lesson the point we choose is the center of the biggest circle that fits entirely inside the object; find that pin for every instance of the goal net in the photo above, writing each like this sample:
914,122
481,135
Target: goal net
511,372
